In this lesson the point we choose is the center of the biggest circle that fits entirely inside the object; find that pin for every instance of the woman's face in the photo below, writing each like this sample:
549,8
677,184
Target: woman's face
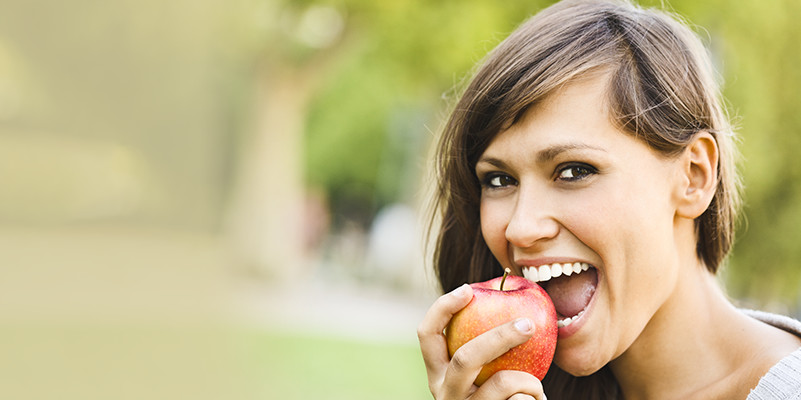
565,186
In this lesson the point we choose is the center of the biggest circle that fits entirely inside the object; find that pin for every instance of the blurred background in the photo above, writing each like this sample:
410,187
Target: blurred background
226,199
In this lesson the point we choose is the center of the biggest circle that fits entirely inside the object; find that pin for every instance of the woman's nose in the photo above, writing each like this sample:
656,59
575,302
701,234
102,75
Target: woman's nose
531,222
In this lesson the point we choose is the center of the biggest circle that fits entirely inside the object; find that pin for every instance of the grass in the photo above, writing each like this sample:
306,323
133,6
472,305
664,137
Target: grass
301,367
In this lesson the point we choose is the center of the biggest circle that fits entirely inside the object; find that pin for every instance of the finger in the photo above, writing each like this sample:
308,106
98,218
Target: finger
468,360
430,331
512,385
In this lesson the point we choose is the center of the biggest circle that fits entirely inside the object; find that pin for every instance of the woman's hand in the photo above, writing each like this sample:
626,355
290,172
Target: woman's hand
452,378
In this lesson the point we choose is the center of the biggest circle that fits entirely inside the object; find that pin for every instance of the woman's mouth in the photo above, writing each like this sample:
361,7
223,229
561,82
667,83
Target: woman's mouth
570,286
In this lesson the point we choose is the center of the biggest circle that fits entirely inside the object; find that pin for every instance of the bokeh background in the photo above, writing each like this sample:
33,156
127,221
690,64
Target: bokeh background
226,199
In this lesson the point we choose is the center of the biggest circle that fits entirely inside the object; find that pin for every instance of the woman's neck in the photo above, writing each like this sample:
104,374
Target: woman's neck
697,345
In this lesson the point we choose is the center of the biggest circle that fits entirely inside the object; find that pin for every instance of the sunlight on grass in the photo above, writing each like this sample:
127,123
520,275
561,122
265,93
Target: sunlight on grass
302,367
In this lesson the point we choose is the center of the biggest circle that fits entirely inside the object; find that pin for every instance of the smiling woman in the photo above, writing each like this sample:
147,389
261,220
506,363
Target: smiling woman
591,153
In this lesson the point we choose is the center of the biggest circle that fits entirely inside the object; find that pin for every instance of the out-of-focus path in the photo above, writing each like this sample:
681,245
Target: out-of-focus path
342,309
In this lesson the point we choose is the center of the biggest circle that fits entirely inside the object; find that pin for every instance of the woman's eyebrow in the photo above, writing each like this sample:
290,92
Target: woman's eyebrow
550,153
542,156
495,162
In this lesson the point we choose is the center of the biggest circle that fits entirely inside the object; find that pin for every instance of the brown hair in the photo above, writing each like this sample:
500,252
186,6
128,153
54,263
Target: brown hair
661,90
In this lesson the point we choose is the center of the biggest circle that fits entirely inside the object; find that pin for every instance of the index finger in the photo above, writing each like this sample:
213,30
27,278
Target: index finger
430,331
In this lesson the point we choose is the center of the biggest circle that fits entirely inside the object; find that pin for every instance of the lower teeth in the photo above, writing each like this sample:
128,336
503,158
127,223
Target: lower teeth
567,321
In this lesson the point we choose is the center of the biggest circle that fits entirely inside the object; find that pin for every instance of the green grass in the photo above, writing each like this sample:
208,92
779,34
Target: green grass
290,367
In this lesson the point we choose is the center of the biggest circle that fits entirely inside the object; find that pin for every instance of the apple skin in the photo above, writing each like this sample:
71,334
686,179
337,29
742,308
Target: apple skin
491,307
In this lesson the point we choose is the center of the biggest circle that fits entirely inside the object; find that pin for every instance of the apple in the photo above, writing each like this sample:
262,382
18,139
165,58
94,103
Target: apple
501,300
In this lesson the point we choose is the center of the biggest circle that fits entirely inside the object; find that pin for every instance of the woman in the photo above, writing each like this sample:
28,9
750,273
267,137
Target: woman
594,135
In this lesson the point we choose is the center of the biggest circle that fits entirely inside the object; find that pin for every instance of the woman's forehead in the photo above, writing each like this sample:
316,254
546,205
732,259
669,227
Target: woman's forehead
577,106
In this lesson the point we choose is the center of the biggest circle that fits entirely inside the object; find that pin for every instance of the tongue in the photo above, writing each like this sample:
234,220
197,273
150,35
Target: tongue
571,294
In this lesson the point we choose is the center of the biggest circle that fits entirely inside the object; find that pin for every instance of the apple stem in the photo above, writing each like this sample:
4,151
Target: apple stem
505,274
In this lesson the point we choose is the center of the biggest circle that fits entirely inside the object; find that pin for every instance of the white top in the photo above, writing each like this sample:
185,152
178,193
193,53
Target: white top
783,380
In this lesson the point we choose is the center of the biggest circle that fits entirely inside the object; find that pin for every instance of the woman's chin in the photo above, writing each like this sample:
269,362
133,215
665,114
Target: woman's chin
578,364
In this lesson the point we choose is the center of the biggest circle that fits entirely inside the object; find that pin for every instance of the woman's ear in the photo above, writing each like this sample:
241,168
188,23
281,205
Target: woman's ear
699,178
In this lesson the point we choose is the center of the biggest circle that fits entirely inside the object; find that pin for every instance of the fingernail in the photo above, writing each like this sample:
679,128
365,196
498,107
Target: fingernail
523,325
460,291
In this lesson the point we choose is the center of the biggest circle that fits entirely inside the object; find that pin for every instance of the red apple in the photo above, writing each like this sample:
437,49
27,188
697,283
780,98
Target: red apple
501,300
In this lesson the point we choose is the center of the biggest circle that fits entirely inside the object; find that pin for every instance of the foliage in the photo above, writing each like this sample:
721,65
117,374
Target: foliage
761,58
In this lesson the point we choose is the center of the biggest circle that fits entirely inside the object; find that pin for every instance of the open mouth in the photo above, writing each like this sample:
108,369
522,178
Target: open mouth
570,286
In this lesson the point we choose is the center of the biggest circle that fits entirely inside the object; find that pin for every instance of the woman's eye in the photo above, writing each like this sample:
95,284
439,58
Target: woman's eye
575,172
499,181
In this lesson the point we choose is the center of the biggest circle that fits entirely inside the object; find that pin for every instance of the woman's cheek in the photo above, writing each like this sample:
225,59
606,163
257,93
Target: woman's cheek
493,227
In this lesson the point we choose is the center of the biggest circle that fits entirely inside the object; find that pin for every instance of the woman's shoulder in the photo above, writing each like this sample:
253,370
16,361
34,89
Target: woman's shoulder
779,321
783,380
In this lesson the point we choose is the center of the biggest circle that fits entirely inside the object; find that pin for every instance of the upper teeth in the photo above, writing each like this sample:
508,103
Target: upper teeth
548,271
